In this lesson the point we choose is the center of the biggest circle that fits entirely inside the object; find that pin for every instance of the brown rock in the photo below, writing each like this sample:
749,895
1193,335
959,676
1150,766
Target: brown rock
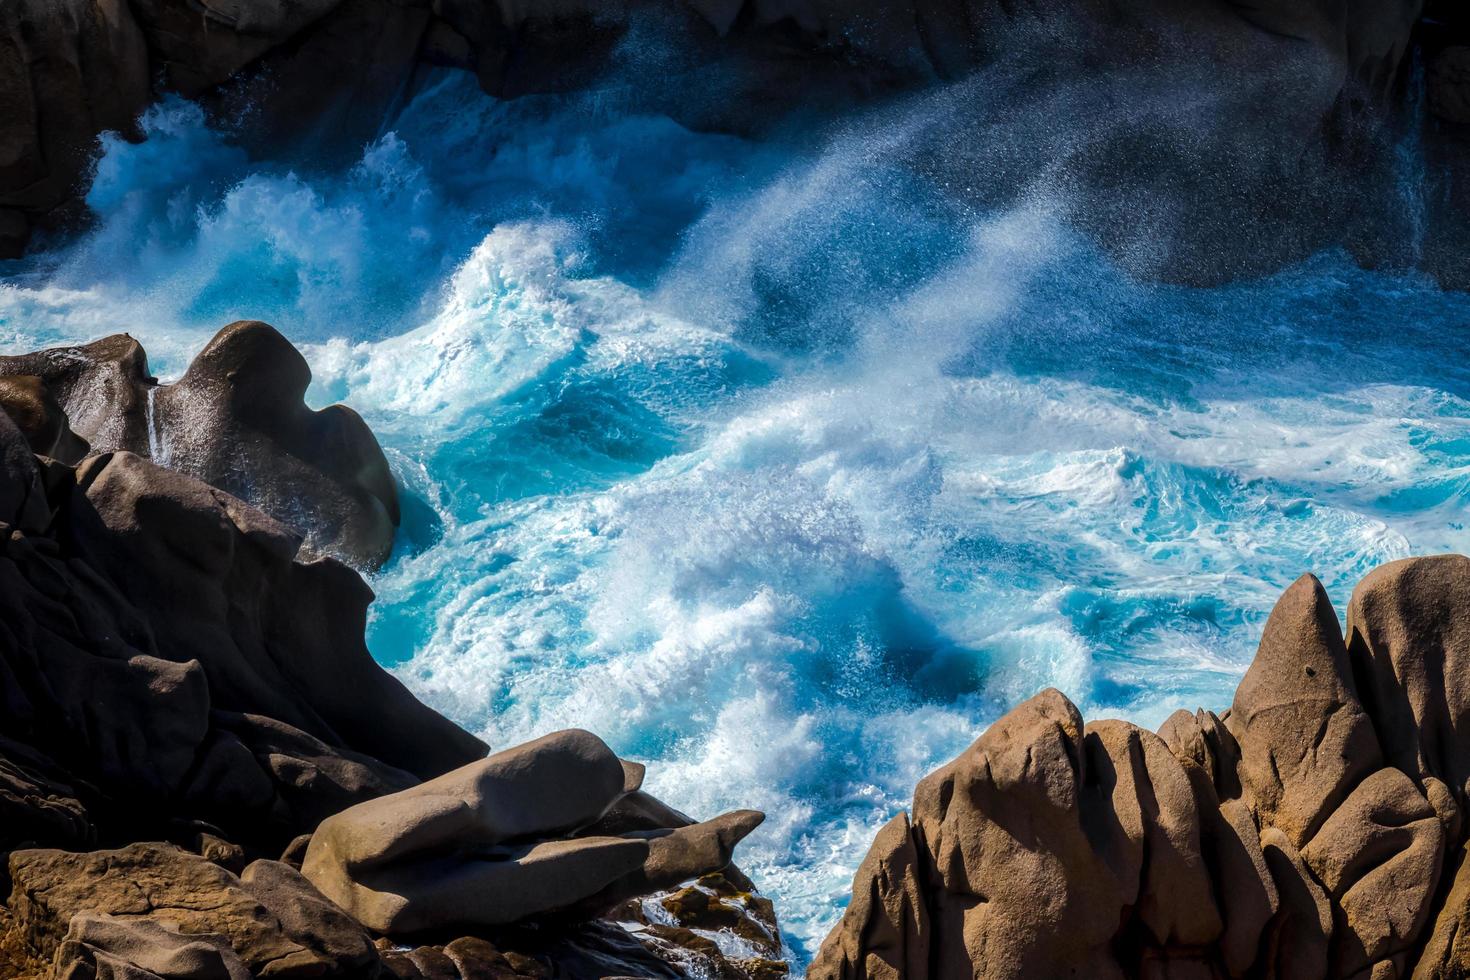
236,420
1446,954
167,886
105,947
487,844
1272,842
1379,857
885,931
1301,684
101,387
1409,631
322,472
40,418
308,918
1003,824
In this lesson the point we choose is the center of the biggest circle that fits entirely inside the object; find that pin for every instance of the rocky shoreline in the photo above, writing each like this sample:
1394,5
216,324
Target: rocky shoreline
198,755
1316,829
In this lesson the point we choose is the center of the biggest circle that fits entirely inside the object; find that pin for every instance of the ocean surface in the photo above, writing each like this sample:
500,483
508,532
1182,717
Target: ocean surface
778,464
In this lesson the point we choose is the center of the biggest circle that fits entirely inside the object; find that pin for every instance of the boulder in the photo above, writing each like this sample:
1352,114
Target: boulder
236,420
163,658
1306,834
496,843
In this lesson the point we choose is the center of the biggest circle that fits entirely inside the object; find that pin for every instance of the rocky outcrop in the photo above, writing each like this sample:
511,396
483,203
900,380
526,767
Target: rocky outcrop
236,420
165,659
1314,830
511,837
185,695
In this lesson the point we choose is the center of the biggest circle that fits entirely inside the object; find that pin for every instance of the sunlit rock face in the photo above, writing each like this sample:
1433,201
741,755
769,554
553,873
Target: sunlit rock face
1304,833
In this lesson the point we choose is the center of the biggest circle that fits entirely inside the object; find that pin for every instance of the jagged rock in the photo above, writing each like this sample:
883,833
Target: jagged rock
489,844
236,420
276,924
1304,835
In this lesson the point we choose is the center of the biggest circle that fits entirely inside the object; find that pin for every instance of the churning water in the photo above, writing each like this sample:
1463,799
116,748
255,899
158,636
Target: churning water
776,464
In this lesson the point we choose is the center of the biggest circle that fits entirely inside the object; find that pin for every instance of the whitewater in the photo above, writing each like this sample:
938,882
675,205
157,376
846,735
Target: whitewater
779,463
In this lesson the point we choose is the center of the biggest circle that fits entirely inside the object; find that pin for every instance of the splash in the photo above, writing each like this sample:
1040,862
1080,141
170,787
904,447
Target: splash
781,464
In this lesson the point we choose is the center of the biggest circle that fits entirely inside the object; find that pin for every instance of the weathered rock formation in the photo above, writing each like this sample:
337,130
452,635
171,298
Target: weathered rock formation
236,420
1226,155
164,658
510,837
185,695
1314,830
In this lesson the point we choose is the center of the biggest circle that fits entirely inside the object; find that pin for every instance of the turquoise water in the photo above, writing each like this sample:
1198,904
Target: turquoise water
778,465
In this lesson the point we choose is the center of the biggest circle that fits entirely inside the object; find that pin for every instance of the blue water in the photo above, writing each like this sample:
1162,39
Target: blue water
776,464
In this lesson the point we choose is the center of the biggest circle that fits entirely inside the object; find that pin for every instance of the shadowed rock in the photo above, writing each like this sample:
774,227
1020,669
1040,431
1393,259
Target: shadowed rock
1305,835
169,670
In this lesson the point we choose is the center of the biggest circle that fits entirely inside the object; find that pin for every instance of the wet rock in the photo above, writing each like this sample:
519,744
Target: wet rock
1305,834
236,420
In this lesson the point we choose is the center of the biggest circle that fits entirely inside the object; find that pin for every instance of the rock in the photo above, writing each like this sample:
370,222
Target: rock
165,660
105,947
215,849
294,654
886,929
159,888
236,420
310,919
1408,627
489,843
69,69
1449,85
101,387
1305,834
319,472
40,418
